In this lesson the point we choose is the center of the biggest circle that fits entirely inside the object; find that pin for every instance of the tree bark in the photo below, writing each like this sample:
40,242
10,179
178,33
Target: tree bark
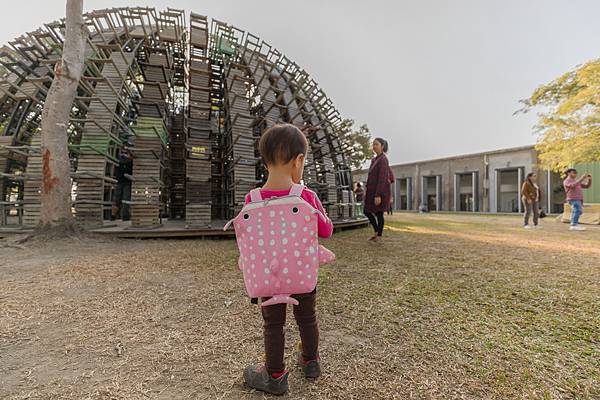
56,177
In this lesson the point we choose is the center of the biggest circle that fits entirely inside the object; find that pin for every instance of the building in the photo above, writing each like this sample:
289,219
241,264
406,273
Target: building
481,182
591,195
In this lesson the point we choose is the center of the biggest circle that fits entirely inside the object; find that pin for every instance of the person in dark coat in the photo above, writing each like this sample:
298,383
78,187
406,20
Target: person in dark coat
123,189
359,193
378,193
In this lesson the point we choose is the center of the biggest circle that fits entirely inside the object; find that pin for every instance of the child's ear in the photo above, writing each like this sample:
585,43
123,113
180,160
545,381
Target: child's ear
300,160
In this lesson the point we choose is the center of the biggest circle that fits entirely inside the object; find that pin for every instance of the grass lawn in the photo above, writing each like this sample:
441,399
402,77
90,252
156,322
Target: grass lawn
448,307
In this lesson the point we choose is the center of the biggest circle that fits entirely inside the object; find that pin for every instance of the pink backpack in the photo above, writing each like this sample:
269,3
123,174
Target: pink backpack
279,246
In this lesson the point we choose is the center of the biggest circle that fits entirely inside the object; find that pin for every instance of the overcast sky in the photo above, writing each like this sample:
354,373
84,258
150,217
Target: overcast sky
434,77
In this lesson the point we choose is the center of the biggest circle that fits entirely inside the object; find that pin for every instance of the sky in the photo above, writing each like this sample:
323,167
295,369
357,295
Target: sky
435,78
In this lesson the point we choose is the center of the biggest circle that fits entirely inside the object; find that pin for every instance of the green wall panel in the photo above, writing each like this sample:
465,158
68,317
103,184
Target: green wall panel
591,195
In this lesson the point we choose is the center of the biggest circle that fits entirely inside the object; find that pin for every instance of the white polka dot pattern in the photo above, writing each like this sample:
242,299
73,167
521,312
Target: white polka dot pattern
285,247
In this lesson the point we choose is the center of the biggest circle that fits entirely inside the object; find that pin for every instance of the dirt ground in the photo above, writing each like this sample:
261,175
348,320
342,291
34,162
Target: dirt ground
448,307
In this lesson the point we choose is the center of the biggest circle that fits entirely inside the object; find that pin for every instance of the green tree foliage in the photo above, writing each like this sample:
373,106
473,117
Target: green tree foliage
359,140
569,123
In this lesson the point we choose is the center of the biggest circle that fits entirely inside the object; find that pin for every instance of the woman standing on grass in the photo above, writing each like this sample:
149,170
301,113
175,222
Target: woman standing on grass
378,193
531,194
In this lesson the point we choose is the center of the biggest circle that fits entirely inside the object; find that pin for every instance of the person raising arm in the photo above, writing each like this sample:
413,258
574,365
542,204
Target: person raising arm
574,193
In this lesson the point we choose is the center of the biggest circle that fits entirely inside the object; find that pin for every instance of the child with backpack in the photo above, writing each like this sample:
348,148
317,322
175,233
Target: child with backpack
279,255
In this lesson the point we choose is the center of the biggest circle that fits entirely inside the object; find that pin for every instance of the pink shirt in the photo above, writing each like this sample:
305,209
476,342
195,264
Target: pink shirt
574,189
325,225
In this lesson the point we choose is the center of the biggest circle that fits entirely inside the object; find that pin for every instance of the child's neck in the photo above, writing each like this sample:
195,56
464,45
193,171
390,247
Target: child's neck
278,181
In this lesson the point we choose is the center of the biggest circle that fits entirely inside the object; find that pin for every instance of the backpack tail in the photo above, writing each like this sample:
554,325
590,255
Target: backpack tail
280,299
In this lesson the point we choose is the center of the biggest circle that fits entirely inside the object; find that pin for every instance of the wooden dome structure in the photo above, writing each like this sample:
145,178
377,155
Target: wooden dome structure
187,95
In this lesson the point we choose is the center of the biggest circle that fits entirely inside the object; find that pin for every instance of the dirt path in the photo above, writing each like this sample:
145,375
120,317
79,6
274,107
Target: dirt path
448,307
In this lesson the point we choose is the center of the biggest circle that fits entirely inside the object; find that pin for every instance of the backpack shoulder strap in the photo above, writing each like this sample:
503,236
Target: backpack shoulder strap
297,190
255,195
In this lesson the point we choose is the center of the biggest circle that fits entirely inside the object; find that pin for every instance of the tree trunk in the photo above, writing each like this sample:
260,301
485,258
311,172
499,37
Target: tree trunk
56,177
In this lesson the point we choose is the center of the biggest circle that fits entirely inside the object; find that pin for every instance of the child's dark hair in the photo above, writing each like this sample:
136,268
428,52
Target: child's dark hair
567,172
383,143
281,143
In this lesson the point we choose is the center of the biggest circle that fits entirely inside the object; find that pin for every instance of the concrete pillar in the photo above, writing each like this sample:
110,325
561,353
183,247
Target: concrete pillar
409,193
416,185
548,192
486,206
424,191
456,192
397,188
394,195
475,189
519,184
497,194
438,193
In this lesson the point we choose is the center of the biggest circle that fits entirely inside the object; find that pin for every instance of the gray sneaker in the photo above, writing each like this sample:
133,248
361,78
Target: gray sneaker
311,369
258,378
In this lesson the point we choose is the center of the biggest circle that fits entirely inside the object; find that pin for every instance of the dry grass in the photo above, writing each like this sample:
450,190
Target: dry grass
448,307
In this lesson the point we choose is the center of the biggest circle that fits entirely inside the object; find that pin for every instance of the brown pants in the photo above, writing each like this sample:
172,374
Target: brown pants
306,318
534,207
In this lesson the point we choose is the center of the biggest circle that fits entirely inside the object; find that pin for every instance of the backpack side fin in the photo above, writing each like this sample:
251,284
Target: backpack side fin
228,224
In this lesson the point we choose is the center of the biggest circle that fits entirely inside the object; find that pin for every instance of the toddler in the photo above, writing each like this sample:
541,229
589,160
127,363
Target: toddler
283,149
